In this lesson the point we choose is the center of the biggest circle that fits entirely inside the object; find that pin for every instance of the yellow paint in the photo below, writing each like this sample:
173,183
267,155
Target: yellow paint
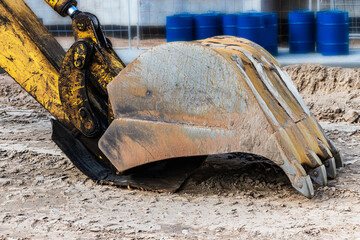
107,67
87,34
228,47
240,44
22,58
52,3
287,145
316,127
306,154
289,99
312,140
26,49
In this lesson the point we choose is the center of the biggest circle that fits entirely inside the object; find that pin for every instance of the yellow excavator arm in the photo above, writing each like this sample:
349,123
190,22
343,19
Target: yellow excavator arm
178,102
31,55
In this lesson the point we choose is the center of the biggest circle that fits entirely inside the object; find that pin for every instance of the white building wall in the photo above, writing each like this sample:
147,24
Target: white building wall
152,12
252,5
109,12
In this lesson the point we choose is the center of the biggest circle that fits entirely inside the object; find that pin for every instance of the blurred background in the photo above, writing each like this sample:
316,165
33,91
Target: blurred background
142,23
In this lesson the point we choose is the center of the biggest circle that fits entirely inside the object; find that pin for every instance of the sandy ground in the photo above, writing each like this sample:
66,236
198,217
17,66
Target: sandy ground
43,196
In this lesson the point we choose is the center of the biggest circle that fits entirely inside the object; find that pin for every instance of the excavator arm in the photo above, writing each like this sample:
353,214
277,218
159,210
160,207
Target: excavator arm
177,102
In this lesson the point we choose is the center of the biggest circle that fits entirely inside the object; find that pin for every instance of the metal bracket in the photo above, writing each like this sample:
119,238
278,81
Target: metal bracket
73,90
87,25
89,65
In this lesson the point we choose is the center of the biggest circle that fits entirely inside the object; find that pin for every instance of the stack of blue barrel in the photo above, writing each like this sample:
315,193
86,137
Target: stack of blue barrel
331,28
261,28
188,27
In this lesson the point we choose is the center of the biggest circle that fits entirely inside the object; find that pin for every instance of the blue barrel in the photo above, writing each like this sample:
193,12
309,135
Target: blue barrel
230,24
251,26
206,25
333,33
179,28
271,33
318,37
302,31
220,23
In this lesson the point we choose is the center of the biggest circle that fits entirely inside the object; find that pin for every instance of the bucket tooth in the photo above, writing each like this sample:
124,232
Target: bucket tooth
325,151
305,187
296,172
337,155
319,175
330,166
339,160
313,157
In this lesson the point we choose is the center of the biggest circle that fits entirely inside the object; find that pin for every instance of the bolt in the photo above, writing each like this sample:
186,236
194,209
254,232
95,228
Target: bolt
326,164
79,63
316,173
82,113
148,93
81,27
300,185
81,49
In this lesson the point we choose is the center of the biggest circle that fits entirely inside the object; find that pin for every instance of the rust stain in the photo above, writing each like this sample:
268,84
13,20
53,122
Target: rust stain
190,99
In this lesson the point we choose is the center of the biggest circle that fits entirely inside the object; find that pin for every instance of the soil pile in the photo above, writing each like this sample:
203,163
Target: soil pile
332,93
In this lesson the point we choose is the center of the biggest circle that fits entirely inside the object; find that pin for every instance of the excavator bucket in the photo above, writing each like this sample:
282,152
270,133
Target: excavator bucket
219,95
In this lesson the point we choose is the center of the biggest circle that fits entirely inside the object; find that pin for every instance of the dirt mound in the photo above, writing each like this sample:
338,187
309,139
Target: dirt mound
316,79
332,93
